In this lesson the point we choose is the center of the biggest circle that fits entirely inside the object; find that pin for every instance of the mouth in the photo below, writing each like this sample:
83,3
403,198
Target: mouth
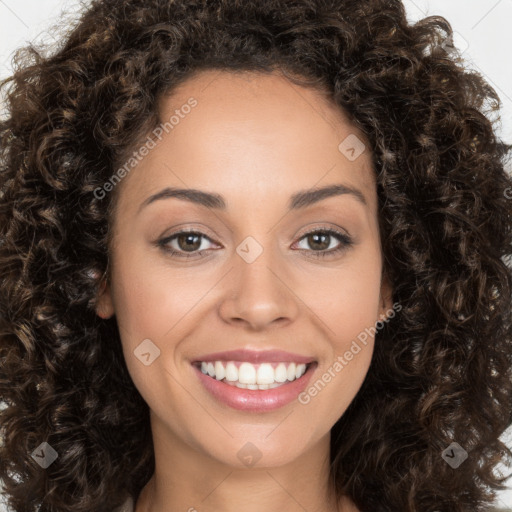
254,387
246,375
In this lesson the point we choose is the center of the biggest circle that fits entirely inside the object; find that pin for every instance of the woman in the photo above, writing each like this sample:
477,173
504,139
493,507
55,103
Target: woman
254,255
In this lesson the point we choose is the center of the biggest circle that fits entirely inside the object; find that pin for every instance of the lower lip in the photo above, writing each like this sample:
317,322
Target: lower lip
252,399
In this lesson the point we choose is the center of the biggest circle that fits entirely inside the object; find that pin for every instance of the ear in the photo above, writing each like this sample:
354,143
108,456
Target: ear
104,304
386,297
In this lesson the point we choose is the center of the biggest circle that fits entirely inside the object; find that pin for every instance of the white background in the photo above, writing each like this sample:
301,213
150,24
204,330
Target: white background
483,31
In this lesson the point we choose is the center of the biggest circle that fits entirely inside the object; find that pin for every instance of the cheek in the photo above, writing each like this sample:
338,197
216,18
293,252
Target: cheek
348,309
150,299
150,305
346,299
348,304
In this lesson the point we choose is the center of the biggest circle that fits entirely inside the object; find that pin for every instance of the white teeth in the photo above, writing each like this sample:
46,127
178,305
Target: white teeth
280,373
290,372
301,368
220,372
265,374
254,386
249,376
231,372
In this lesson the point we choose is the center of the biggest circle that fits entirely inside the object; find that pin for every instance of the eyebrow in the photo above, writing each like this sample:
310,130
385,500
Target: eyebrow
299,200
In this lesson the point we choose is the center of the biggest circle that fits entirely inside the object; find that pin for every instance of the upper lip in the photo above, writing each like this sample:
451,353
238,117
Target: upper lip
256,356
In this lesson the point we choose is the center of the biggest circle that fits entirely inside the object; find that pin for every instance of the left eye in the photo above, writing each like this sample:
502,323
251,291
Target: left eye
319,237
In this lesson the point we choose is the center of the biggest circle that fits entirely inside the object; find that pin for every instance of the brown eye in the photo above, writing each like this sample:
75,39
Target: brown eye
319,241
188,244
189,241
184,244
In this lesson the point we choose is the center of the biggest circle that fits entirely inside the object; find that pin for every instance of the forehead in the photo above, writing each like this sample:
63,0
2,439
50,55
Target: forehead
252,131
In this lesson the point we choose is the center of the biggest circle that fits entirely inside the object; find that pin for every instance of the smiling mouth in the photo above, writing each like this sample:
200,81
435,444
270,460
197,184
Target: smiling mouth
245,375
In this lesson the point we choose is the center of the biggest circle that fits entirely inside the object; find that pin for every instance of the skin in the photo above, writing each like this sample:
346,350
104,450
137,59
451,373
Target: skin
255,139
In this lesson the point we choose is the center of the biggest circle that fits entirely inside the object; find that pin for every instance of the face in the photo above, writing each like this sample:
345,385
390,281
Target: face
268,284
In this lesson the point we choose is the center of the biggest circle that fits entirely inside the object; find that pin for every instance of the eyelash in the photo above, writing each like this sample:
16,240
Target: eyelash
345,242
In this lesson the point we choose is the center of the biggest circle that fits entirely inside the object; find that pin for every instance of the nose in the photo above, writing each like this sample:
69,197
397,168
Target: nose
259,293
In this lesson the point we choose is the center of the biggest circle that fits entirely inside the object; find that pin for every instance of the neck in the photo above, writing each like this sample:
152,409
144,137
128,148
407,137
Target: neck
188,479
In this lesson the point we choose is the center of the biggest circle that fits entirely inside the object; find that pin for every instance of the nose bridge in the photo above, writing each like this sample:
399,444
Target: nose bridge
258,293
254,263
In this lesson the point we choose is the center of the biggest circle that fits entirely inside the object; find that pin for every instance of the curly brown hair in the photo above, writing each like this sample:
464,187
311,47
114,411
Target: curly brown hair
441,370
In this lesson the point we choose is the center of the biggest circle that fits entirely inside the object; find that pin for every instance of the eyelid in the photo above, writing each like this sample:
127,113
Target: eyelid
324,227
189,228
